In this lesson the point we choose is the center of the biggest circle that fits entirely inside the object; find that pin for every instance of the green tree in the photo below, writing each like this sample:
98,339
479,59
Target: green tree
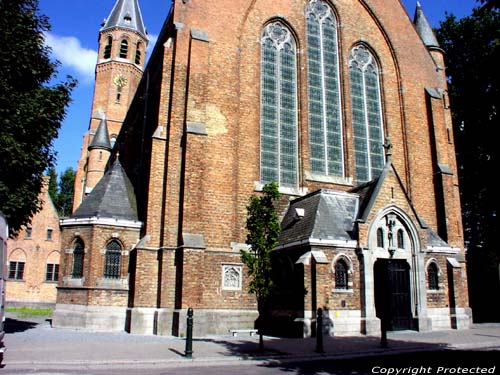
472,47
52,184
31,110
264,230
490,4
64,201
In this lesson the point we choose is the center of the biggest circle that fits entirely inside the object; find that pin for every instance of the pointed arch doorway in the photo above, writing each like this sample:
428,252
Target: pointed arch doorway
393,293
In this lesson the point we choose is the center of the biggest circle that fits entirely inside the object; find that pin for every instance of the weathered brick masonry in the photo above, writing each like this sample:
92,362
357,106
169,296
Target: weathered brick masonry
190,147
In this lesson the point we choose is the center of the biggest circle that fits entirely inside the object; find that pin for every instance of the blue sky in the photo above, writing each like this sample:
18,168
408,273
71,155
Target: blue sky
73,38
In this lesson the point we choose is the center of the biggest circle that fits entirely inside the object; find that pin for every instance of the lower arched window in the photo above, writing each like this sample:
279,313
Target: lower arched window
433,276
341,274
78,255
112,260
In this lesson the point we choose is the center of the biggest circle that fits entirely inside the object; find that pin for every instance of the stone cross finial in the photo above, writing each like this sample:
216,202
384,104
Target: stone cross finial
387,146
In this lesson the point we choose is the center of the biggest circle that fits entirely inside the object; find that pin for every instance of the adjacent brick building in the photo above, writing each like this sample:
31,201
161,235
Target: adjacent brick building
33,258
343,103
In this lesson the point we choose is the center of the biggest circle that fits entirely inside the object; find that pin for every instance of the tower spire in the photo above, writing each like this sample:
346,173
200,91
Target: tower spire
126,14
101,137
424,28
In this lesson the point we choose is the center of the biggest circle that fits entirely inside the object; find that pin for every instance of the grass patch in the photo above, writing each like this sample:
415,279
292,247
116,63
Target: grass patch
29,311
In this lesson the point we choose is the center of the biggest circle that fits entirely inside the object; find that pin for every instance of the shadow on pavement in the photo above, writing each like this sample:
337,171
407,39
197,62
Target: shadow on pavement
15,325
425,362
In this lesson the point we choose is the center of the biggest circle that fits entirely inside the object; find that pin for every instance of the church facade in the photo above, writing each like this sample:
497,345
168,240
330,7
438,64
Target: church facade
342,103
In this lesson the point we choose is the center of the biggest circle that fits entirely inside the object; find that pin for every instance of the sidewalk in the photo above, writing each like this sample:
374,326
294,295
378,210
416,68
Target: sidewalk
32,342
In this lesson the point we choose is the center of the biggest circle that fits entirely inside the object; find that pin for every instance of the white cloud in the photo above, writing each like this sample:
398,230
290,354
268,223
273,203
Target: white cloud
69,51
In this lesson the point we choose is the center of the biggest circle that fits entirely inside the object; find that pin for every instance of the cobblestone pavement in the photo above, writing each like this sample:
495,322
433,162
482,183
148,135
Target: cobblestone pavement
32,342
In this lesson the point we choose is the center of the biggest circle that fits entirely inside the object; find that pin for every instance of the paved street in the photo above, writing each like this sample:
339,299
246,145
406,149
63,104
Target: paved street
34,347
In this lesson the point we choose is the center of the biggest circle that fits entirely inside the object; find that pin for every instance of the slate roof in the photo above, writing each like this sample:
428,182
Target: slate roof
424,28
328,215
113,197
434,240
101,137
126,14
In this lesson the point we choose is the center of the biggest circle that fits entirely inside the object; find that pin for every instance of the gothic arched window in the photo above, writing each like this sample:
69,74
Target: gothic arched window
278,119
124,49
401,239
432,276
380,238
366,114
325,121
107,48
112,260
78,256
341,274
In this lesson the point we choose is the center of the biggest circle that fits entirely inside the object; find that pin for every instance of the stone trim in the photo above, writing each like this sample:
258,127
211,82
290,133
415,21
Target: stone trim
102,221
200,35
328,179
197,128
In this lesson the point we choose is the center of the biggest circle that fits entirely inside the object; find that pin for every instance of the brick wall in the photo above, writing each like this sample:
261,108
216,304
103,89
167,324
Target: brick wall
36,252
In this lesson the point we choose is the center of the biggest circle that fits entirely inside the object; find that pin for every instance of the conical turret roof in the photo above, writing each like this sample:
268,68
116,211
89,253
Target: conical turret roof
424,28
101,137
126,14
113,197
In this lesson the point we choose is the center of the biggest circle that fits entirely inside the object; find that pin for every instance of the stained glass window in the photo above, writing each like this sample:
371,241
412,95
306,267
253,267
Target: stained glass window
278,135
433,276
366,114
325,123
401,239
112,260
341,277
380,238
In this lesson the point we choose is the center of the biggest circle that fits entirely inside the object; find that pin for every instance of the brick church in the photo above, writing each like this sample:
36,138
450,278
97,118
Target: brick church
343,103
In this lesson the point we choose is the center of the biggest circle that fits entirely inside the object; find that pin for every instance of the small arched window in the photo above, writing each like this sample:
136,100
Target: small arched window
78,256
433,276
124,49
107,48
341,274
112,261
380,237
401,239
138,53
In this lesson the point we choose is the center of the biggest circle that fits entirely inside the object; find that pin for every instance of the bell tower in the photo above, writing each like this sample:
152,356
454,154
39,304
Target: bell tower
120,64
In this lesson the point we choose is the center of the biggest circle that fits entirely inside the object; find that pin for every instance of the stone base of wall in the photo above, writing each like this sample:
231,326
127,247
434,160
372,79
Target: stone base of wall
462,319
343,323
148,321
30,304
94,318
442,318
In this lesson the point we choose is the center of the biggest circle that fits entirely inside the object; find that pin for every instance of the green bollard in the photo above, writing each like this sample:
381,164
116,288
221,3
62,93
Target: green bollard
188,353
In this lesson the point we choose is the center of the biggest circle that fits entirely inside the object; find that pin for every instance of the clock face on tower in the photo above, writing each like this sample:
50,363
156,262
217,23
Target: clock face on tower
119,80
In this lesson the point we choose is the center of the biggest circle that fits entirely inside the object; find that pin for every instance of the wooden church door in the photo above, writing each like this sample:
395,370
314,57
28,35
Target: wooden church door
392,293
